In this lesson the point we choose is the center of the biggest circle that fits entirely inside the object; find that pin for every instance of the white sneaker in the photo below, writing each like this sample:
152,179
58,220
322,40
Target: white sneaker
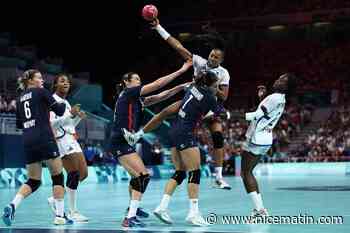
258,214
221,184
77,217
132,138
196,220
163,216
51,202
62,221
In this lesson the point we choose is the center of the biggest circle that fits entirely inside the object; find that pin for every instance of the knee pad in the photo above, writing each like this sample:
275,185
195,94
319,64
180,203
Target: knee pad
140,183
73,180
58,180
179,176
33,184
194,176
218,140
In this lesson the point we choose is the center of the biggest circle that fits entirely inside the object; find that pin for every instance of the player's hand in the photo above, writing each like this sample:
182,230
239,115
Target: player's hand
82,114
261,91
75,110
186,65
154,23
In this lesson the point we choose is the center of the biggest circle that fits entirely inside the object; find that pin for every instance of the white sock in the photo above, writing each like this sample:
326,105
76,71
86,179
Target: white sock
51,199
260,200
256,200
194,206
134,204
164,202
17,200
59,203
72,199
218,171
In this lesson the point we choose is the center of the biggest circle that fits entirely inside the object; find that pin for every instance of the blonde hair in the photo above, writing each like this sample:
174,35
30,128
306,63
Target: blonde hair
23,79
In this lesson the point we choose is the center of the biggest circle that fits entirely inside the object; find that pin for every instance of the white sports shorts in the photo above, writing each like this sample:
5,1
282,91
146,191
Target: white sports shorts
68,145
256,149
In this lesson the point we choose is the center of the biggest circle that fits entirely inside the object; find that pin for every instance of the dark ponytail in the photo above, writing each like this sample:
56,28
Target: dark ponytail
121,86
207,79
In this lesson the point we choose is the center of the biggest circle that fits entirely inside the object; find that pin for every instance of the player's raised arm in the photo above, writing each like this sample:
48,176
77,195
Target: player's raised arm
161,82
150,100
172,41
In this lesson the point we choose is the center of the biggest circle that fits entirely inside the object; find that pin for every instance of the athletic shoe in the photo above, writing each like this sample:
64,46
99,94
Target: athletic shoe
132,222
129,137
77,217
9,214
163,216
139,213
221,184
196,220
62,220
258,214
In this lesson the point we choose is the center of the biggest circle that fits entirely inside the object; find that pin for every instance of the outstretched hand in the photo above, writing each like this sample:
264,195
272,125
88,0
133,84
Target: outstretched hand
186,65
261,91
154,23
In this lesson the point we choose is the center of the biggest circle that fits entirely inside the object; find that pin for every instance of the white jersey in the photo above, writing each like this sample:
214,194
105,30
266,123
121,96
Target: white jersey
200,64
64,129
260,130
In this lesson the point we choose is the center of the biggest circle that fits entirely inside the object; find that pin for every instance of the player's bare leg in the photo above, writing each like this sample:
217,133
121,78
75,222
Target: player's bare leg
248,163
216,131
140,178
191,160
76,168
152,124
161,212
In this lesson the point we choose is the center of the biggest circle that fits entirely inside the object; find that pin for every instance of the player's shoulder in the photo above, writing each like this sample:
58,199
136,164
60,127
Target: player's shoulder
197,58
276,97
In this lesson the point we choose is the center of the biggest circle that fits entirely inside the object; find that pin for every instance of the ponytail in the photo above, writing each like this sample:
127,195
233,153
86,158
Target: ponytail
22,81
121,86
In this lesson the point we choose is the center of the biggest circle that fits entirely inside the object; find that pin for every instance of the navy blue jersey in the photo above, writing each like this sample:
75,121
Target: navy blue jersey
197,102
33,107
128,111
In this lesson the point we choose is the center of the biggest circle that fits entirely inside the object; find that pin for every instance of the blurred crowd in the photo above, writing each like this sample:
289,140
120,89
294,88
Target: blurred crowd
7,104
328,143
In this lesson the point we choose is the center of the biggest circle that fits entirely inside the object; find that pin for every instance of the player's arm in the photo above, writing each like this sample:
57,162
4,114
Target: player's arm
164,95
71,117
57,108
158,118
222,92
173,42
261,92
161,82
268,105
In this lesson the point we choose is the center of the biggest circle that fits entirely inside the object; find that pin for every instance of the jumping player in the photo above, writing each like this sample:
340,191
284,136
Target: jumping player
33,106
198,101
216,57
128,114
259,135
72,156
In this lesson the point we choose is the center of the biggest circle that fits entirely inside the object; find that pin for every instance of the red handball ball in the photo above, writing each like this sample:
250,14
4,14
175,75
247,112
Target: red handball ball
149,12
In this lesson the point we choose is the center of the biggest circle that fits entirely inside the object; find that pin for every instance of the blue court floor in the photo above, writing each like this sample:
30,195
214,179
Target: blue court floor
105,204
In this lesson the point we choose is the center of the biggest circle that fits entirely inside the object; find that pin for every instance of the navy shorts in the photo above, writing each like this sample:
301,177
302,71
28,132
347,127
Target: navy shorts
121,148
182,141
41,152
